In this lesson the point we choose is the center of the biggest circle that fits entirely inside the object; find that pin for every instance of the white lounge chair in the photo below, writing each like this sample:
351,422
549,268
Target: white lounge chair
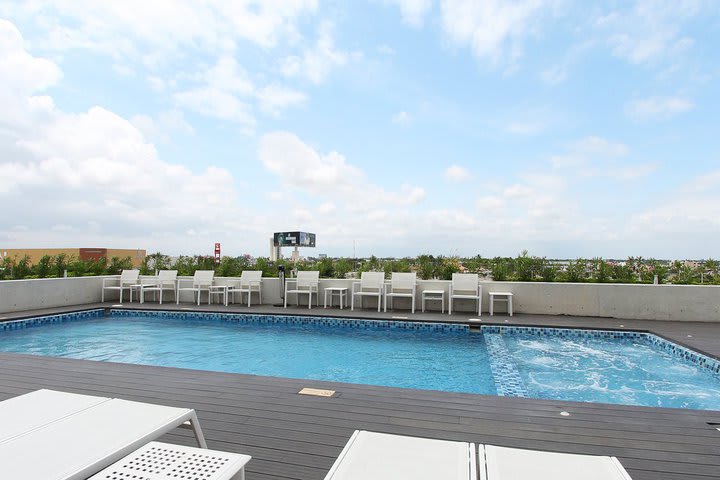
501,463
165,280
465,286
371,284
250,282
202,281
64,436
380,456
128,280
402,285
306,283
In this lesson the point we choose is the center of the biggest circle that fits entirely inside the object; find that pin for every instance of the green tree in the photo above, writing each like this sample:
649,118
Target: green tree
500,269
61,264
44,267
576,270
426,266
326,267
22,268
602,272
343,266
117,265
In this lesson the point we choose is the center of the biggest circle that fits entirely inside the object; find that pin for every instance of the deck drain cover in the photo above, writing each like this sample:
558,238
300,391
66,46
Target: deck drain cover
317,392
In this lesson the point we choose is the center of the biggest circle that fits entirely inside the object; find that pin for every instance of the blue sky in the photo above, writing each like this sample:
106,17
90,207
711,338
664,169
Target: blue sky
401,126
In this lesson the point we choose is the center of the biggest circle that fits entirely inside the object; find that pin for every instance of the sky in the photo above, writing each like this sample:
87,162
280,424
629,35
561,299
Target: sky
387,127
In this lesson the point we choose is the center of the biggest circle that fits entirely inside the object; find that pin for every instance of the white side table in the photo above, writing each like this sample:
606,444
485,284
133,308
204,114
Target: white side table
156,461
336,292
217,290
434,295
508,298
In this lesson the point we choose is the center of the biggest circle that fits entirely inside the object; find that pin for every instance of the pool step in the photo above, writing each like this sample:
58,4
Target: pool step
506,376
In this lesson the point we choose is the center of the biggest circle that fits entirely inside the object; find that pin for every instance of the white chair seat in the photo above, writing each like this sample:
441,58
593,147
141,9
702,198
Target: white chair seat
76,445
516,464
380,456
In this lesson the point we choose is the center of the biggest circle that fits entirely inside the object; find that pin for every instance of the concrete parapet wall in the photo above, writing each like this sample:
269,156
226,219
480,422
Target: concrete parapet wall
652,302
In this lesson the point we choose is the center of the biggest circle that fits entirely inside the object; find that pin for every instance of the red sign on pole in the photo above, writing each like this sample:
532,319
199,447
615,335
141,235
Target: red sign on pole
217,254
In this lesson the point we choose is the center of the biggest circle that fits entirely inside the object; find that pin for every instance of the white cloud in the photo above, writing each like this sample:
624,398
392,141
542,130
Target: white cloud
495,30
525,128
163,126
413,11
583,152
651,30
457,174
599,157
167,28
300,166
402,118
690,212
316,63
94,176
213,102
275,98
658,108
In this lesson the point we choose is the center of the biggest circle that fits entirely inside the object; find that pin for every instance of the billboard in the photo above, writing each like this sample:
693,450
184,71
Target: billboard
293,239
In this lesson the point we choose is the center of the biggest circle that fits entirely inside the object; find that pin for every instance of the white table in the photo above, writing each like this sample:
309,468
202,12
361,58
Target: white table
162,461
217,290
434,295
506,297
336,292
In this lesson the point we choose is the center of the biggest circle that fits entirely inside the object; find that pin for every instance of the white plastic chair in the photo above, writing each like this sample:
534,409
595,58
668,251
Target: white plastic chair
466,286
128,280
401,285
306,283
250,282
165,280
371,284
202,281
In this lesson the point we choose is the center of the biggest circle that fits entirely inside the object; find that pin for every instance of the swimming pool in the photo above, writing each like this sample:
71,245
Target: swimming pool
579,365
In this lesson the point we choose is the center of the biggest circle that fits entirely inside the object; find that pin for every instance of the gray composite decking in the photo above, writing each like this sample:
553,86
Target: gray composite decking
298,437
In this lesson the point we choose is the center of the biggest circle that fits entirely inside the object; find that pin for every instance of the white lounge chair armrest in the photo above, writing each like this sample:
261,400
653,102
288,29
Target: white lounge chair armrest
354,284
289,281
181,280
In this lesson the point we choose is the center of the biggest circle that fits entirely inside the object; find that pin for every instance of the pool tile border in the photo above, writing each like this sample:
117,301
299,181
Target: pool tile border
48,319
300,320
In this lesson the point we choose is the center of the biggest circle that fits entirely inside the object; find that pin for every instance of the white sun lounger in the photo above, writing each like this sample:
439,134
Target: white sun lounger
501,463
380,456
61,436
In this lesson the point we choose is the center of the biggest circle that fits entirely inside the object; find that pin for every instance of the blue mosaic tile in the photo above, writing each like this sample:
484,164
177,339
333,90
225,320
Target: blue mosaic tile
508,381
299,320
48,319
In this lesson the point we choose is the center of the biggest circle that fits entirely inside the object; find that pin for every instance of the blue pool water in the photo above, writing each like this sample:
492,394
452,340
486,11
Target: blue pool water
610,370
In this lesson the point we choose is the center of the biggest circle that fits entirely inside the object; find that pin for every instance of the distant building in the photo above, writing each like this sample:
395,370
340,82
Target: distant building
275,253
35,254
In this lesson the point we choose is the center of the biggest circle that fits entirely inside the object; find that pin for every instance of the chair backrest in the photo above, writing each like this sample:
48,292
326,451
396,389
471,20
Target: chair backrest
403,281
465,282
372,280
203,277
307,279
167,276
129,276
250,276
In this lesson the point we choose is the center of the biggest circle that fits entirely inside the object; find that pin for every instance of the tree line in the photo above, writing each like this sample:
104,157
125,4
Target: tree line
523,267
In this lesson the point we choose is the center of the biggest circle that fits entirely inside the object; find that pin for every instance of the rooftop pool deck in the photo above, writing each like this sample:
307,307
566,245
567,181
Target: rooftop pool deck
298,437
